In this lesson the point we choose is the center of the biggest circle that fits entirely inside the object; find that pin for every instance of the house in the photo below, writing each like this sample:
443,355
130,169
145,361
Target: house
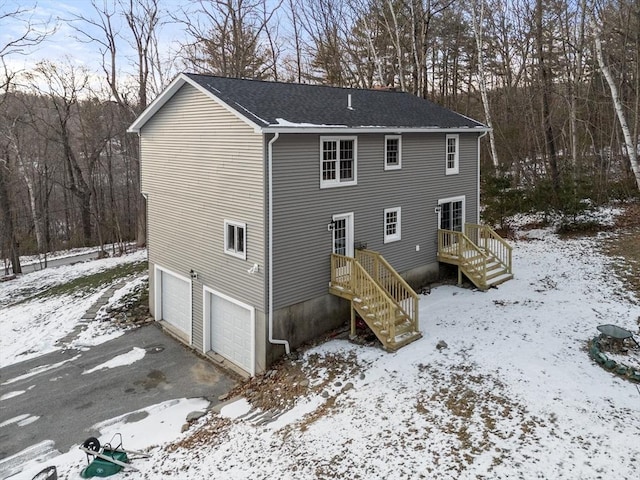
275,209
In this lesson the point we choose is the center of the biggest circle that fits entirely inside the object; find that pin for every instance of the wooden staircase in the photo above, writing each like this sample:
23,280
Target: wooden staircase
481,255
381,297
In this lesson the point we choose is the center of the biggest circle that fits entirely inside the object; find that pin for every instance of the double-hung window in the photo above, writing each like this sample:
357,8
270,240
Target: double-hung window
392,152
452,158
338,161
235,239
391,225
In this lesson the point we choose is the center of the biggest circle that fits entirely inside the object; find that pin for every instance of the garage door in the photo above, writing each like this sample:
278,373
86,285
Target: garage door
175,299
231,328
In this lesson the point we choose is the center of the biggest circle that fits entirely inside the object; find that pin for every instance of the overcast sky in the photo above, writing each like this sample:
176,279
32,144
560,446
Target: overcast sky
65,42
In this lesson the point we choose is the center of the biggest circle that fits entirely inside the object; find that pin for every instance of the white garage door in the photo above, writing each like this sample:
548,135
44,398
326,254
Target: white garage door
231,328
175,297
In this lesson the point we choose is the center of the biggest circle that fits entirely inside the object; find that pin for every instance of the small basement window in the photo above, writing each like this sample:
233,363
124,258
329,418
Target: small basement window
235,239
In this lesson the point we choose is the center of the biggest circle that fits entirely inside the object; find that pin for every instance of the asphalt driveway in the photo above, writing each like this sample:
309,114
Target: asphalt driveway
67,403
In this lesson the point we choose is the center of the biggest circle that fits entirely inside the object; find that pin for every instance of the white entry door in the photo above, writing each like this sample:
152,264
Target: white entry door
231,329
175,301
343,234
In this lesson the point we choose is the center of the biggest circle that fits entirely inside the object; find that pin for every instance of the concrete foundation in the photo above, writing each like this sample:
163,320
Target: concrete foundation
305,321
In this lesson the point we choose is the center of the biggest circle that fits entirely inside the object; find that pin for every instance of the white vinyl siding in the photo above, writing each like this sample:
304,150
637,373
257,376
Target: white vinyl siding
338,161
201,165
392,225
452,154
392,152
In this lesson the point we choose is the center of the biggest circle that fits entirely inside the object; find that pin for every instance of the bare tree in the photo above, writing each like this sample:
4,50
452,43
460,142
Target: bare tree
62,85
31,33
546,86
143,20
477,19
228,37
630,144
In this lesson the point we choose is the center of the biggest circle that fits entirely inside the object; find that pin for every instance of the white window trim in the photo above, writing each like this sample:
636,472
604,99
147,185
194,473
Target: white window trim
396,236
337,182
461,198
456,168
234,253
399,165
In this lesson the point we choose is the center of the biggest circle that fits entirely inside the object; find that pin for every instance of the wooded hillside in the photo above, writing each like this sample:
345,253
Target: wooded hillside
558,81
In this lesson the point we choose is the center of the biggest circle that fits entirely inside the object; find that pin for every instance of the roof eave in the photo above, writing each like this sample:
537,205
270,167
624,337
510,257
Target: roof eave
336,129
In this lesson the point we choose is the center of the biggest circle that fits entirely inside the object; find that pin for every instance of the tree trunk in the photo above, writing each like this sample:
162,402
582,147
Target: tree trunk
546,110
477,18
10,233
617,104
31,194
85,215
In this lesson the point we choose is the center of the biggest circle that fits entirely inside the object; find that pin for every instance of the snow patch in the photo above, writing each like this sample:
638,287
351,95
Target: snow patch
128,358
150,426
236,409
9,395
39,370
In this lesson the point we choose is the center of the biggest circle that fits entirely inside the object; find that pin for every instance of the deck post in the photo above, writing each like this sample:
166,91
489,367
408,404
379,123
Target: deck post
353,322
459,276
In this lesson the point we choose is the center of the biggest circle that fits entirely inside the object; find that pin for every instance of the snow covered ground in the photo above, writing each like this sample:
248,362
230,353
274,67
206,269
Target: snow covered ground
55,316
513,395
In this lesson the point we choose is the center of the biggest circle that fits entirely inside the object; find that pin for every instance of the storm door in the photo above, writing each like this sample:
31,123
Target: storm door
343,234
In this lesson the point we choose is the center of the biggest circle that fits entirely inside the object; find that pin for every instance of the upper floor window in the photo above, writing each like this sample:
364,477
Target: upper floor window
235,239
391,224
452,160
392,152
338,161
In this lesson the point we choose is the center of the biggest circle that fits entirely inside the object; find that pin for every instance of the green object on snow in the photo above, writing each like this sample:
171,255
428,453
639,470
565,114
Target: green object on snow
101,467
621,370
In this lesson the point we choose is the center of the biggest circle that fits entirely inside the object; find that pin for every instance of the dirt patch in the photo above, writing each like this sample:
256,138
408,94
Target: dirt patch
289,379
623,247
463,401
630,218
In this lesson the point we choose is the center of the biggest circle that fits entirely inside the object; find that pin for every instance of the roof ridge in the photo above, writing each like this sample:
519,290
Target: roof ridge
314,85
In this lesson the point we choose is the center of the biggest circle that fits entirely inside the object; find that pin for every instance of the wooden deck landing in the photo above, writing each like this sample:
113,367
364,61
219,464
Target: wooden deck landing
379,295
480,253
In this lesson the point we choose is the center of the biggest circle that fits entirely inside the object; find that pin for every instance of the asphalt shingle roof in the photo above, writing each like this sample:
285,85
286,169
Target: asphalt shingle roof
291,104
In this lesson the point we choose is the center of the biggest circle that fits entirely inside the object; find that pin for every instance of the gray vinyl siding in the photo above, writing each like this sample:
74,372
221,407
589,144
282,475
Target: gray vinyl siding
201,165
302,243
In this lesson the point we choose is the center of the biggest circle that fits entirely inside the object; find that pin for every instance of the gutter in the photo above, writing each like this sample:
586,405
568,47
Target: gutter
272,340
341,130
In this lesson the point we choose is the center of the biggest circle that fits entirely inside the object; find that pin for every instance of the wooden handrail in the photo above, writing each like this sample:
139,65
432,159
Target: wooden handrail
469,256
348,274
392,282
488,239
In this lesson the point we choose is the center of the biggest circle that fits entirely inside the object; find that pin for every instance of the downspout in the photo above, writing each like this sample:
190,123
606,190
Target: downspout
272,340
478,200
